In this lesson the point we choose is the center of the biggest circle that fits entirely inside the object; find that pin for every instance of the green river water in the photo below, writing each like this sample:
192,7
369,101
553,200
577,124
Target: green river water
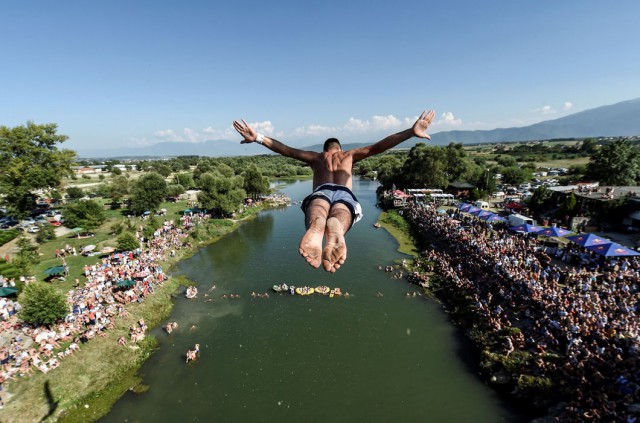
308,359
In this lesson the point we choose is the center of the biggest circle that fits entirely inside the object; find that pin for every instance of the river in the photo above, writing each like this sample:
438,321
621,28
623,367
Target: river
307,359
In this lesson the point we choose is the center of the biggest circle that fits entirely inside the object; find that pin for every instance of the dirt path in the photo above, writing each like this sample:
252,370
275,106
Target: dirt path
10,248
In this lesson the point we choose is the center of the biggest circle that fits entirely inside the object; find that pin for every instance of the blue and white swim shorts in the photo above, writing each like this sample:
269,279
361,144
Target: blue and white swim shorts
335,193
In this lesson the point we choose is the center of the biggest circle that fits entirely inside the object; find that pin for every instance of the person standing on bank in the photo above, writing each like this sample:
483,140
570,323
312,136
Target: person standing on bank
331,209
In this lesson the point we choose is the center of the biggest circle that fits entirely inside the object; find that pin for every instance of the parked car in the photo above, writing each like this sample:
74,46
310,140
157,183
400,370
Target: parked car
33,229
9,224
54,222
28,222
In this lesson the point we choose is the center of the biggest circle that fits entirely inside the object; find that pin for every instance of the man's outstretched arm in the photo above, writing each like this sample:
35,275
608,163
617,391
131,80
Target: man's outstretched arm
419,130
250,135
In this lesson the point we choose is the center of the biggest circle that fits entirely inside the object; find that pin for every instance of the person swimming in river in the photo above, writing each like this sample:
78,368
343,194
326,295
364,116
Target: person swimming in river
331,209
193,354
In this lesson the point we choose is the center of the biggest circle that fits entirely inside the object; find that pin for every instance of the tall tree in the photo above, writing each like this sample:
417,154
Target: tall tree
184,179
254,183
459,168
617,163
119,188
148,192
425,167
30,160
86,214
42,303
389,170
221,195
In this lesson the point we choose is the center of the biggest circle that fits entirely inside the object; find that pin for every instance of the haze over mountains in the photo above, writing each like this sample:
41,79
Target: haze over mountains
620,119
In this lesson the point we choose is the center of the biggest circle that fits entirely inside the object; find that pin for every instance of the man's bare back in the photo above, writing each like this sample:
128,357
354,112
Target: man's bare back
334,167
330,209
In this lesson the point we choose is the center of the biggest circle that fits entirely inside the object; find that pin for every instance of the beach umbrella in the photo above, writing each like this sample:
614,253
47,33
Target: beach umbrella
587,240
7,290
553,231
484,213
613,250
495,218
465,207
461,205
77,230
525,228
472,209
108,250
126,282
54,270
163,210
89,247
491,217
477,212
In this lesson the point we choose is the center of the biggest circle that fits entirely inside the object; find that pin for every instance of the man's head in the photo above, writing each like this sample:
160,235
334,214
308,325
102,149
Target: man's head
331,144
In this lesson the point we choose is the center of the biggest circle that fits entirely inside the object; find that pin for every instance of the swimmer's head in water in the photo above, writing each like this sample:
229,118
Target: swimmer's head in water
330,143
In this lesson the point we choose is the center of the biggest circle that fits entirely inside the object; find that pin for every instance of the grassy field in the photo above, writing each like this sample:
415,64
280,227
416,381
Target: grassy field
87,383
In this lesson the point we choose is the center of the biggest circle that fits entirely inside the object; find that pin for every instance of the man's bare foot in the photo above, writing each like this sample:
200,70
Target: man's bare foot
335,252
311,244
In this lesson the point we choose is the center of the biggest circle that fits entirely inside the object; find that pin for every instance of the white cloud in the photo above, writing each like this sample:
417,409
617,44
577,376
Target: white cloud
191,135
357,125
208,134
212,134
386,122
448,119
354,126
168,135
265,127
545,110
567,105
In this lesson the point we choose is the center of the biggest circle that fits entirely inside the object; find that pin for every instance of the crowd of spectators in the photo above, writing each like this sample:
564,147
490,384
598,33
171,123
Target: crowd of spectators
94,305
572,312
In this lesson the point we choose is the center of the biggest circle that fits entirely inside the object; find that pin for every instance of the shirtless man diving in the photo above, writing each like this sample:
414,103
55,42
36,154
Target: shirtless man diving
331,209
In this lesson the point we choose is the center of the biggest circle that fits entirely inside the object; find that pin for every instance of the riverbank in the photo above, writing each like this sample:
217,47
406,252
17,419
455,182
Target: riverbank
86,384
485,348
398,228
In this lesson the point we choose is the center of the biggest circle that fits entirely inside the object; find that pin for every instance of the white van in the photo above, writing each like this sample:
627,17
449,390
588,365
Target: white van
518,219
482,205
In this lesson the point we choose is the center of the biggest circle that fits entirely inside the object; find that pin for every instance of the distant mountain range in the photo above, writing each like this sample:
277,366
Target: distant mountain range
620,119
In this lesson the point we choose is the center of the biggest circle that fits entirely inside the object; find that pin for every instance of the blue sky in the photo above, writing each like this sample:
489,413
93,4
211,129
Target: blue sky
114,74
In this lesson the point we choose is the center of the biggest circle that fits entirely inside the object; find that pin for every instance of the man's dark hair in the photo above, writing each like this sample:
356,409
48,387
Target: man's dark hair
328,143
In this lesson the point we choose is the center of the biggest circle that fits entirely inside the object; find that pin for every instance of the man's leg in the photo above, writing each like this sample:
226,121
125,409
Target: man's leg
315,220
338,223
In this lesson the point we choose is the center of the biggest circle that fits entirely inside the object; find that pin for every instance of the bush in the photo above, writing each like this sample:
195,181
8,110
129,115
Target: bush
394,219
86,214
127,242
6,236
9,269
151,227
42,304
47,233
530,385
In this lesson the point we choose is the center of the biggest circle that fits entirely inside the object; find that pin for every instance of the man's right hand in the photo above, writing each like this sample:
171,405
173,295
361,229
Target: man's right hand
248,133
